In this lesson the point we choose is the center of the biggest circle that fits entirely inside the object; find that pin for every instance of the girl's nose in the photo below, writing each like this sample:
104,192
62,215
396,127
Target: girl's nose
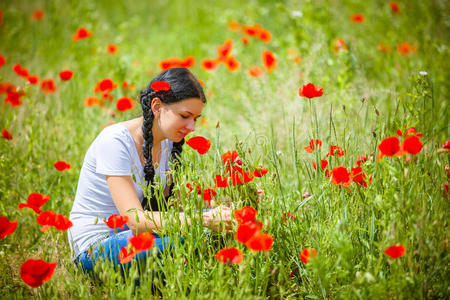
190,125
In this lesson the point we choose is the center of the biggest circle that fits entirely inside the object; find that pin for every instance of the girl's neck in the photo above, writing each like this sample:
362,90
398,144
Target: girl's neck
156,132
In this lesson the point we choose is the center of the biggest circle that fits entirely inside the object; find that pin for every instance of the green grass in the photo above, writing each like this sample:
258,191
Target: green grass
368,95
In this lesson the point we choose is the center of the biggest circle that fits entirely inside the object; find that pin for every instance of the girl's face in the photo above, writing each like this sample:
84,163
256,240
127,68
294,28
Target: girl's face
178,119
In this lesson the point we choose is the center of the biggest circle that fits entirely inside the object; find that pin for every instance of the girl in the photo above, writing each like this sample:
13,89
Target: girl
137,149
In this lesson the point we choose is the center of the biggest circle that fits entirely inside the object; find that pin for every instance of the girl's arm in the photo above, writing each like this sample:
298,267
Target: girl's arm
125,198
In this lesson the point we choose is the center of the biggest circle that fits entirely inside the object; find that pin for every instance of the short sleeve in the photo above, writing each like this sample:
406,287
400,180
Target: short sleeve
113,156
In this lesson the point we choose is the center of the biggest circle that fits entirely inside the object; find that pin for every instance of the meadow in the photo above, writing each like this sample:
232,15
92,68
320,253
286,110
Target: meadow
370,223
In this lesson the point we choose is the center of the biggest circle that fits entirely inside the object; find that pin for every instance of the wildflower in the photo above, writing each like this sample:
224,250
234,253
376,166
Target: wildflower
200,144
260,172
310,91
310,148
35,201
446,146
306,195
224,50
264,35
209,64
2,61
395,251
160,86
234,26
82,33
48,86
32,79
232,64
230,255
339,45
35,272
395,7
287,216
221,182
208,194
37,14
62,222
383,47
142,241
13,98
245,214
250,30
111,49
336,151
61,165
6,134
255,71
389,147
412,145
423,73
116,221
361,160
65,75
46,218
244,40
246,231
230,157
359,176
269,60
125,103
188,62
90,101
357,18
125,256
20,71
307,254
405,48
260,242
6,227
105,86
323,164
340,175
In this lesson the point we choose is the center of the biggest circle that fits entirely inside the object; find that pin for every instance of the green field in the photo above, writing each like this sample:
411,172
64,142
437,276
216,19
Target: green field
389,72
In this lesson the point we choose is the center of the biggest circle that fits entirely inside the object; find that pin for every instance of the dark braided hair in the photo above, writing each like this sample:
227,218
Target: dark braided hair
183,85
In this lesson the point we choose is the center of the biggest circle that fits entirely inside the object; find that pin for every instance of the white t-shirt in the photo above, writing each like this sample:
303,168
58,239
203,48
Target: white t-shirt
113,152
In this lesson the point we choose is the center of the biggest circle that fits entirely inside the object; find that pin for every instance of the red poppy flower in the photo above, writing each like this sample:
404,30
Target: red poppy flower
357,18
264,35
232,64
230,255
245,214
446,146
389,147
188,62
2,61
13,98
6,134
359,176
6,87
323,164
208,194
340,175
234,26
48,86
269,60
339,45
260,172
310,91
116,221
221,182
336,151
46,218
412,145
6,227
160,86
142,241
61,165
412,130
172,62
255,71
111,49
230,157
62,222
405,48
105,86
125,103
244,40
260,242
200,144
224,50
65,75
245,231
287,216
90,101
35,201
38,14
251,30
310,148
361,160
395,7
20,71
33,79
395,251
307,254
82,33
125,256
35,272
209,64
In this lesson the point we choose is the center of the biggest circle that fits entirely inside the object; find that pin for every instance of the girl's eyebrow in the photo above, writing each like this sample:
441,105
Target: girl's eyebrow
192,113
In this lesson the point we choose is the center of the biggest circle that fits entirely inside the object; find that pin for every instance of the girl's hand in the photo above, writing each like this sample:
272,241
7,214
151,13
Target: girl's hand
218,219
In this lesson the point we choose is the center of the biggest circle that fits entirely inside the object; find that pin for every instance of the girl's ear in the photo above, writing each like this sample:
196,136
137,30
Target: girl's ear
156,106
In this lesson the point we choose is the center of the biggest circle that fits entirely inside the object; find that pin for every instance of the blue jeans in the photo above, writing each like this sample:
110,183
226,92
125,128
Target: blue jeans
109,249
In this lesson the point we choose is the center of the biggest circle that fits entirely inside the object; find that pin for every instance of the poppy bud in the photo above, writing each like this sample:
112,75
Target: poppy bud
217,124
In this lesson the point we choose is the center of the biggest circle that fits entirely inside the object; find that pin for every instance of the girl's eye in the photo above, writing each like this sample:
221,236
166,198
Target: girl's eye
184,117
